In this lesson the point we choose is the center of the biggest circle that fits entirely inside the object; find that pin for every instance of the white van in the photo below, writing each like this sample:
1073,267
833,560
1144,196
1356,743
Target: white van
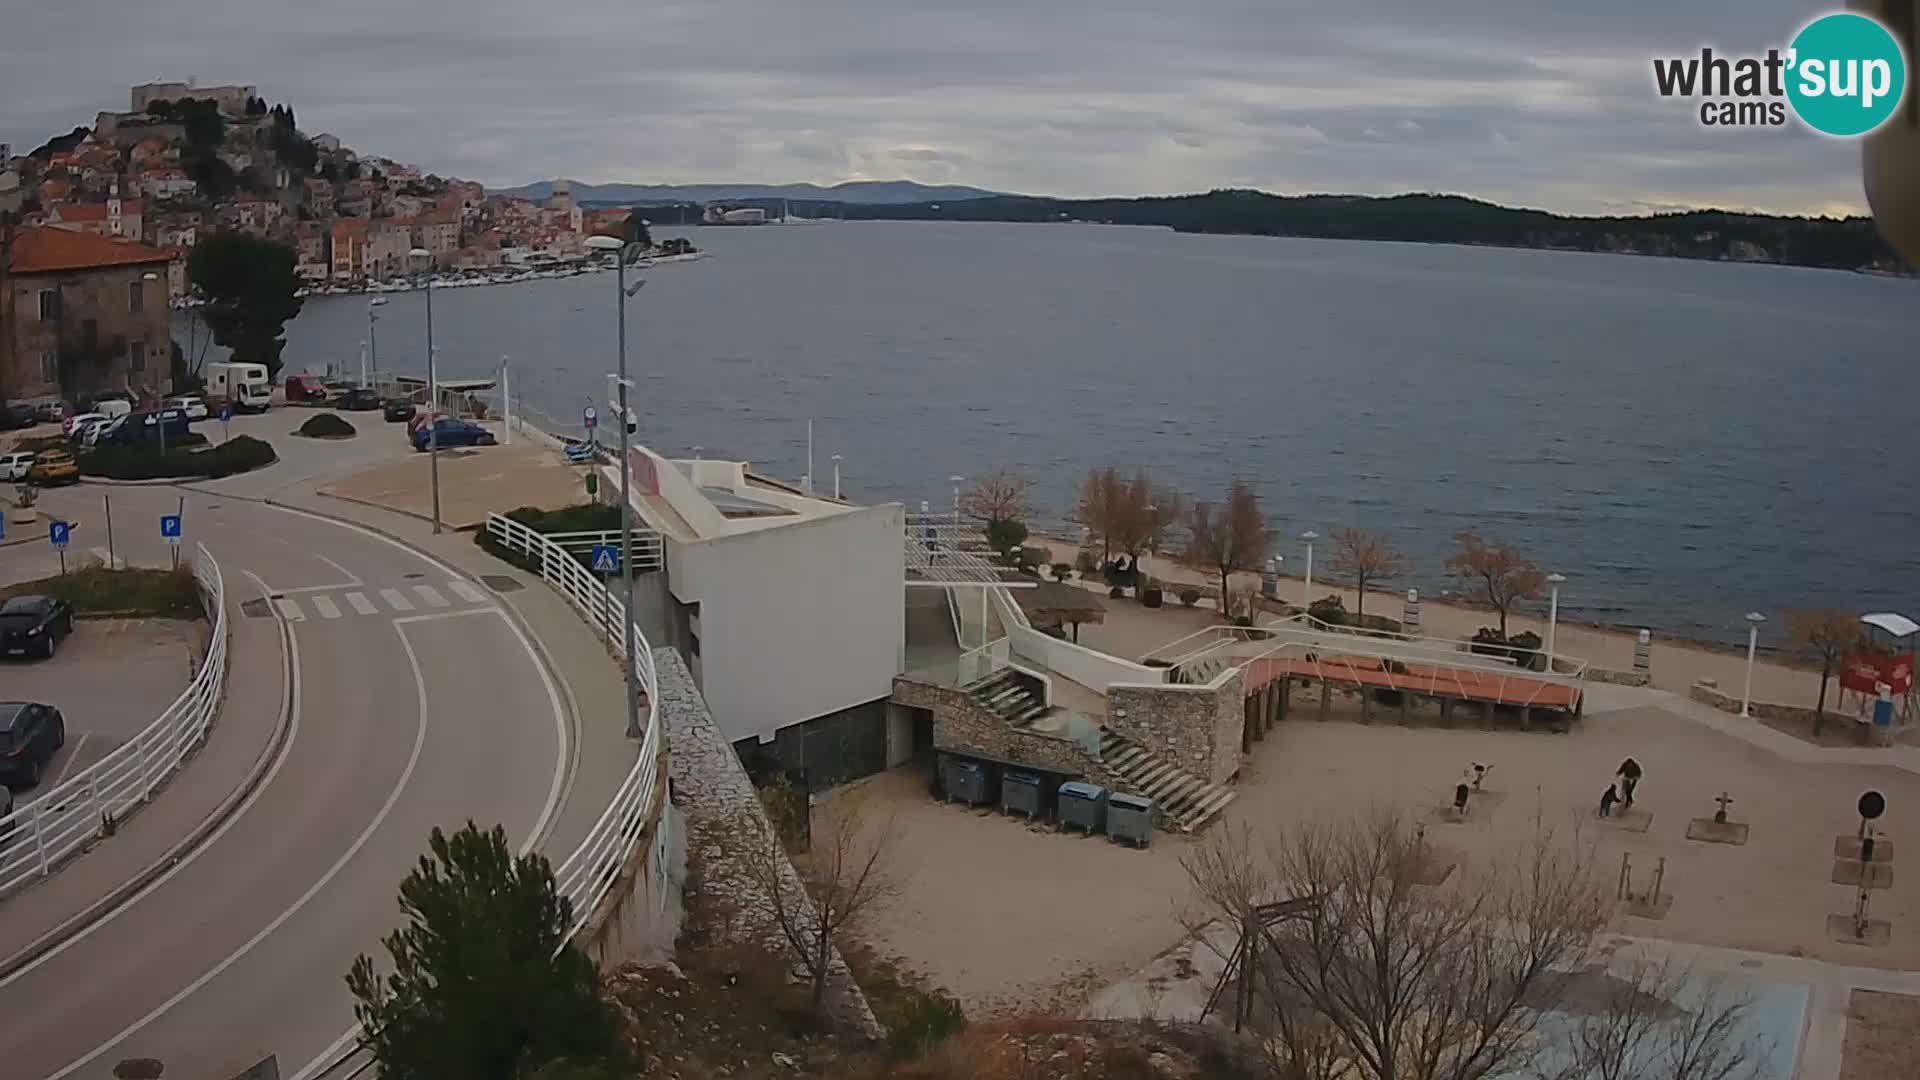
244,385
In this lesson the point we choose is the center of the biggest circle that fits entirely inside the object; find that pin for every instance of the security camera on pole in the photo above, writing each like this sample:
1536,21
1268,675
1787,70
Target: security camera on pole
625,252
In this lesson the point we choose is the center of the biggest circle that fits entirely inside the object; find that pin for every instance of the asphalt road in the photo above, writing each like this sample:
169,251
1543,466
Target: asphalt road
414,703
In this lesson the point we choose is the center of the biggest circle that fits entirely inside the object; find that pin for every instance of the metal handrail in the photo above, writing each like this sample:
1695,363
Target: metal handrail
589,873
648,552
91,803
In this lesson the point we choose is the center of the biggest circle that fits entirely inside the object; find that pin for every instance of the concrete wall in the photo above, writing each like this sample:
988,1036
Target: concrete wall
1195,727
796,621
1091,669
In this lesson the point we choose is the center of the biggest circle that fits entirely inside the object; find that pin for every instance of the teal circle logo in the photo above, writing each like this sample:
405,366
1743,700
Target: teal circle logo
1847,74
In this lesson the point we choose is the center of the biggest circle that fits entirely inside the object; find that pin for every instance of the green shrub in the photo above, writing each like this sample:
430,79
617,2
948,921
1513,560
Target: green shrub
927,1019
145,462
1189,597
1329,609
168,594
326,426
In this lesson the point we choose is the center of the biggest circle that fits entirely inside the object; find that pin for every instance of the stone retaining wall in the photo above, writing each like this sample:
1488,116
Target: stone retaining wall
962,726
1195,727
1623,678
1709,694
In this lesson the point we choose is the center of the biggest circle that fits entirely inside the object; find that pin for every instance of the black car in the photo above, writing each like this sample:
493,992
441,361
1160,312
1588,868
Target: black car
359,399
31,625
398,409
15,415
29,734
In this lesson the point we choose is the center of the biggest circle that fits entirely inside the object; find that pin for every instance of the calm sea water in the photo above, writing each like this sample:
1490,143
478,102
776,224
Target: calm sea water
1685,441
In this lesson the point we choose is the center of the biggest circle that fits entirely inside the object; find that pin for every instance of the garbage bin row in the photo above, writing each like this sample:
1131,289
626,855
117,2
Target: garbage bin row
1071,804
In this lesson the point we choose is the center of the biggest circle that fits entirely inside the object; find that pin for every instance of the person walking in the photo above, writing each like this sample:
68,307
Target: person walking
1627,780
1607,799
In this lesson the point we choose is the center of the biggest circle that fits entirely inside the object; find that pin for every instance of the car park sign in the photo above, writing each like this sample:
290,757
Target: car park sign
58,533
170,528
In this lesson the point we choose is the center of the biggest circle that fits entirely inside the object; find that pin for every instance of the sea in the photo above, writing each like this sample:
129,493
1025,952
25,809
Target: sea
1686,441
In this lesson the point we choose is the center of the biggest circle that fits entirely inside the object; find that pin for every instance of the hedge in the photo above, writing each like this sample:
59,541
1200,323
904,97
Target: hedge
237,455
153,593
326,426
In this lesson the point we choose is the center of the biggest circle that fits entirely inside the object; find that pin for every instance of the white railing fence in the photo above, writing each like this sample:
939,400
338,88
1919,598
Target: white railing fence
587,875
91,803
977,664
647,551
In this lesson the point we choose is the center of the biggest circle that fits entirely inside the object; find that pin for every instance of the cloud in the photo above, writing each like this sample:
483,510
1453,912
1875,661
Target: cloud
1543,104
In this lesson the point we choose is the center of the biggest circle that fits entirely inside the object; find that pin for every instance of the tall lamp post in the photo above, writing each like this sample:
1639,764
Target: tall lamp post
1554,581
1754,619
1306,590
424,258
836,478
624,252
373,340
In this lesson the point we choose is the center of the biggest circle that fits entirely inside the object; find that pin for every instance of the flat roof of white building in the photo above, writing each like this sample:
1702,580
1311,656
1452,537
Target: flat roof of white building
706,499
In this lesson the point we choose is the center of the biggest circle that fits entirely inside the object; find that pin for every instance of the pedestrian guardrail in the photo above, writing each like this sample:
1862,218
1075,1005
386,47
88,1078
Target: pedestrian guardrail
62,820
587,875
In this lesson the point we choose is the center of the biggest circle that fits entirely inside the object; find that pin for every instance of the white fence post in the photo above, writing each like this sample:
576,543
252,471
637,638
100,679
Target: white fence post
40,835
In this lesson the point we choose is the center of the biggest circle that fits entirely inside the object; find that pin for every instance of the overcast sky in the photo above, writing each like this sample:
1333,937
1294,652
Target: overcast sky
1544,103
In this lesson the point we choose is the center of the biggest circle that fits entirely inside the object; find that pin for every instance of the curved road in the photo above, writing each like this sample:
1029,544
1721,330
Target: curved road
412,701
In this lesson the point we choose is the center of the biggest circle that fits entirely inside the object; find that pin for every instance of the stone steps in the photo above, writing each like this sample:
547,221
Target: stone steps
1185,799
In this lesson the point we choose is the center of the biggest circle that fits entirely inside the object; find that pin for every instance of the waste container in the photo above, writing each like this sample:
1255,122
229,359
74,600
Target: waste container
1083,806
1020,791
1130,818
966,781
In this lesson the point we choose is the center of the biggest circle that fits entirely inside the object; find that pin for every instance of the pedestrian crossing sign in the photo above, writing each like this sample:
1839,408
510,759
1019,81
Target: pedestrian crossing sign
606,559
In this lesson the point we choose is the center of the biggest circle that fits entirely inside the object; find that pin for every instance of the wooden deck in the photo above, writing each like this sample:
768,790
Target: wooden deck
1465,684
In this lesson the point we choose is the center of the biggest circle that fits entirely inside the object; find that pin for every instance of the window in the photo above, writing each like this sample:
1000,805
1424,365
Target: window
136,355
49,367
49,305
136,296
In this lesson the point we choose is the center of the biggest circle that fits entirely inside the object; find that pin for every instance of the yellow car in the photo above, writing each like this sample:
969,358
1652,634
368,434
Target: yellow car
53,467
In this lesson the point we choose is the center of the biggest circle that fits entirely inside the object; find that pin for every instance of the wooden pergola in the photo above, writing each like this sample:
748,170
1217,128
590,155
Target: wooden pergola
1053,603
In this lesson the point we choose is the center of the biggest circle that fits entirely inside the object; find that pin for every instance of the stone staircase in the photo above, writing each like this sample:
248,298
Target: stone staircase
1183,798
1199,672
1010,696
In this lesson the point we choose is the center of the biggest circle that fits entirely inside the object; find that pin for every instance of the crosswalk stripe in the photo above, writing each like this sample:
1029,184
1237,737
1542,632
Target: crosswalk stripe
395,600
325,606
361,604
432,596
467,592
289,610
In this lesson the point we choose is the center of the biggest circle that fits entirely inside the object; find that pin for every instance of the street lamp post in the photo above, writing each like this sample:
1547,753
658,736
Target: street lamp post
836,478
1754,619
1306,589
1553,614
425,278
373,340
623,252
956,481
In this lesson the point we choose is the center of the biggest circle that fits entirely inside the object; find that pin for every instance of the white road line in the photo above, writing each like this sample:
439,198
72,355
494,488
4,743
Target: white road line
344,572
432,596
466,591
395,600
73,755
324,604
361,604
393,798
290,609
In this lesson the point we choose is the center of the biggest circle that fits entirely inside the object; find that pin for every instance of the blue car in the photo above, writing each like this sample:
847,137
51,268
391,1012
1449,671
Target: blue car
452,432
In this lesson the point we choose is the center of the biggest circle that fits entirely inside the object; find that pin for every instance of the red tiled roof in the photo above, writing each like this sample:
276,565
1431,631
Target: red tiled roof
45,250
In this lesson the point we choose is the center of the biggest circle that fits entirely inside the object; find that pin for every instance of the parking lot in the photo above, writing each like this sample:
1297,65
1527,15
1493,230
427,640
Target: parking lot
110,679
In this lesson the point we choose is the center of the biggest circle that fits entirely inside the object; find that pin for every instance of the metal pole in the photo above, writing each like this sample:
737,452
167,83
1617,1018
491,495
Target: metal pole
106,501
363,359
506,402
809,457
373,343
1306,596
1553,622
433,403
1753,640
836,478
626,503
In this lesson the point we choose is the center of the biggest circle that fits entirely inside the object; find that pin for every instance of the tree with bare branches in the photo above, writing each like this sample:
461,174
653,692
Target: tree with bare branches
1003,494
1099,505
1494,574
1365,558
809,901
1828,632
1647,1018
1229,537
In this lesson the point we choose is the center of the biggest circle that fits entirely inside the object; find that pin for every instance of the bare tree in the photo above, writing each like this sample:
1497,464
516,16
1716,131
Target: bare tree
1003,494
1643,1018
1382,976
1365,558
1142,516
810,901
1830,632
1494,574
1100,506
1229,537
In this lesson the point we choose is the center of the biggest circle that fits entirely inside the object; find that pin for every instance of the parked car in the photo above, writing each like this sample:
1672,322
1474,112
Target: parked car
451,431
34,624
15,464
398,409
112,407
146,425
30,732
15,415
72,424
53,467
359,399
305,388
195,408
50,412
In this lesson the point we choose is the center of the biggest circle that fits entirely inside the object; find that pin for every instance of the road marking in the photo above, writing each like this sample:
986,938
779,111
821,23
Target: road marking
72,756
361,604
290,707
344,572
467,592
393,798
324,604
431,595
395,600
289,609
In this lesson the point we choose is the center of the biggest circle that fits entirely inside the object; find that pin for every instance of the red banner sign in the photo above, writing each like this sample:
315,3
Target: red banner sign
1866,671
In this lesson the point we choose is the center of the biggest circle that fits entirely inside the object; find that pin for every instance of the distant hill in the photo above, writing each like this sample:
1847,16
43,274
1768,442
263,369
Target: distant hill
1833,243
872,192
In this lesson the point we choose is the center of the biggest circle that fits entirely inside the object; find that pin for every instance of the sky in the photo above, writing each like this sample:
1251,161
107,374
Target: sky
1543,103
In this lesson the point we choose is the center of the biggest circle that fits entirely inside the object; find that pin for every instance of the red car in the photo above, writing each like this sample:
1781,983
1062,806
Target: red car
305,388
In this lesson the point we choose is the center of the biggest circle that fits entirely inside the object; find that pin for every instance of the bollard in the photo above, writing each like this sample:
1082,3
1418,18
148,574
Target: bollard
1643,651
1410,615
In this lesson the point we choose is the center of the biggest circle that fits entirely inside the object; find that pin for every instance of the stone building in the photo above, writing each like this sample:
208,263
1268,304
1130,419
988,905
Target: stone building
79,313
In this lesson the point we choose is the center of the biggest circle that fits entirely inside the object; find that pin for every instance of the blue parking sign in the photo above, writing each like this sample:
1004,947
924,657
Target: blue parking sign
57,532
170,528
606,559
